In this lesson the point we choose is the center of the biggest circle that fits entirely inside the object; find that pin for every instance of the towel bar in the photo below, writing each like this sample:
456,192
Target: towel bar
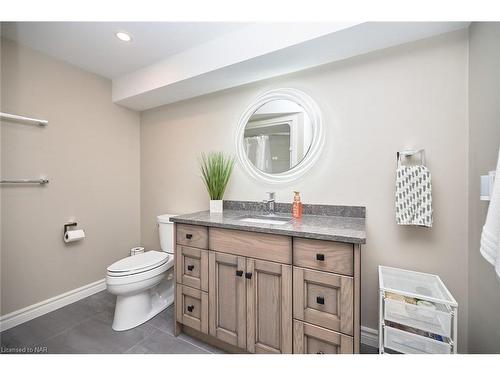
30,120
41,181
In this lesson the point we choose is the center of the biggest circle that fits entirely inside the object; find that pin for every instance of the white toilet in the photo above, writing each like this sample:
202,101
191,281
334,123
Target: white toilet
143,283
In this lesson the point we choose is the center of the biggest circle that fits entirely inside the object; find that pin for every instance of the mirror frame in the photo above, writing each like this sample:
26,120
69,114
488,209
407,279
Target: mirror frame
314,113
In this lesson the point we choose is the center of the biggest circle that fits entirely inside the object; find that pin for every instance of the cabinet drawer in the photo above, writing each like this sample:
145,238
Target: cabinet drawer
192,267
410,343
264,246
192,235
324,255
192,308
435,321
310,339
323,299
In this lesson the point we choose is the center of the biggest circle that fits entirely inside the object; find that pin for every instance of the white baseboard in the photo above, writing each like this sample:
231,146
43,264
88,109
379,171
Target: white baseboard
369,336
34,311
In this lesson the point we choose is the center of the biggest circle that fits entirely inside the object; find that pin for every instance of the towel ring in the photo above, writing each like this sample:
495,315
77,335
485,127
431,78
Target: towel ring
408,153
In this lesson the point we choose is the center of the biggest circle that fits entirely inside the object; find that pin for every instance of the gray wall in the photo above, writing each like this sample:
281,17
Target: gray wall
484,141
90,152
374,105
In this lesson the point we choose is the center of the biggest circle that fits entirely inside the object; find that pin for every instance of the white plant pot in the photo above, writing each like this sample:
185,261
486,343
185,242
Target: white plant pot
216,206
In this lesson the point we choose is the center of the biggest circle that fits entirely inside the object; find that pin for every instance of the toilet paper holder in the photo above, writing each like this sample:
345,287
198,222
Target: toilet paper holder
69,225
74,234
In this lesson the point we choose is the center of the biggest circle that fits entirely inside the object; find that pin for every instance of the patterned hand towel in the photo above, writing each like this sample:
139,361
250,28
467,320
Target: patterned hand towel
413,196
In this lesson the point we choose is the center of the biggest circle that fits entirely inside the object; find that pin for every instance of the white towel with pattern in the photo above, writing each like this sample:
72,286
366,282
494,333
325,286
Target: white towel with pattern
490,238
413,195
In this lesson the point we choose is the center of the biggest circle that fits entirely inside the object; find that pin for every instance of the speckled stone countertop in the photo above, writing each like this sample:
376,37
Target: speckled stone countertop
325,222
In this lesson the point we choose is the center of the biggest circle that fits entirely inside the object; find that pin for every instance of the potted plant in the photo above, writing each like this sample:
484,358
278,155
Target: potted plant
216,169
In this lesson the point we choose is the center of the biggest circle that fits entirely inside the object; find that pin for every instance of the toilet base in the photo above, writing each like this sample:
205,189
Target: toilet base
134,310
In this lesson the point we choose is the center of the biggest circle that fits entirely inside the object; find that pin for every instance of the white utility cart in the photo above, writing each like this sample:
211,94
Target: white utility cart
417,313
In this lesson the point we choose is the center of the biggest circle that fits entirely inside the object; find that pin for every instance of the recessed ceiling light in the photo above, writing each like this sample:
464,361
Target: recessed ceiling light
123,36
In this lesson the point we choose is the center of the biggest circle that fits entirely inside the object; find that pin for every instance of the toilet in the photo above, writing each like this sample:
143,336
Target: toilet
143,283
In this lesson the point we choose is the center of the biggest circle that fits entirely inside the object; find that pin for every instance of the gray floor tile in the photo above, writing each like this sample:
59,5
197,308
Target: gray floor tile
164,321
100,302
85,327
200,344
96,336
159,342
106,316
44,327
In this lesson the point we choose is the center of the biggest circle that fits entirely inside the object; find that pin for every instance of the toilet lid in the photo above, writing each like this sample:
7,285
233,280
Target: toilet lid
144,261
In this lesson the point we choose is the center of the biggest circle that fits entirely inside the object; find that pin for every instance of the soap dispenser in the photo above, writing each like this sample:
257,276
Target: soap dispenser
297,206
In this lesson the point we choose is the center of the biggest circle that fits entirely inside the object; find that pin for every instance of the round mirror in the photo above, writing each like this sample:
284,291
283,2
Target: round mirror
280,135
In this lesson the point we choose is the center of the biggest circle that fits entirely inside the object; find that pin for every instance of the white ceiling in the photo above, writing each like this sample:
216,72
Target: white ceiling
94,47
171,61
250,54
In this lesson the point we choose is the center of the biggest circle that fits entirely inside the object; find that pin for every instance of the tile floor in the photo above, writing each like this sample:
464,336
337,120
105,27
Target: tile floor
85,327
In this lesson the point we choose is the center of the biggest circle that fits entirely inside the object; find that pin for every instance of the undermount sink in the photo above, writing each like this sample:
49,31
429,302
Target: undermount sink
275,220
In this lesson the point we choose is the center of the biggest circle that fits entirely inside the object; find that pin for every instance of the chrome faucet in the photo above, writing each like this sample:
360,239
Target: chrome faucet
270,201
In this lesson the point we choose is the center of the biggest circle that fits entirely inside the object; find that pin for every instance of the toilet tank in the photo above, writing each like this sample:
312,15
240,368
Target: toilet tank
166,231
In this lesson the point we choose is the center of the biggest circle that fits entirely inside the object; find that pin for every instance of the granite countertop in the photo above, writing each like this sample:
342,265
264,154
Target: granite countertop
322,222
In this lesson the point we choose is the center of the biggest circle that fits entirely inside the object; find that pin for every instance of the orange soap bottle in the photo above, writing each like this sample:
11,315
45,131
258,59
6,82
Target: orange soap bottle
297,206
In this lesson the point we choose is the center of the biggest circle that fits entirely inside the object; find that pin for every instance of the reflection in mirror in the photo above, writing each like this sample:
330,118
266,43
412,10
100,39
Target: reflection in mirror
278,136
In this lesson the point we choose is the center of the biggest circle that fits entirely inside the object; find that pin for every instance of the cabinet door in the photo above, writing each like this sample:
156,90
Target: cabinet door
311,339
227,298
269,307
324,299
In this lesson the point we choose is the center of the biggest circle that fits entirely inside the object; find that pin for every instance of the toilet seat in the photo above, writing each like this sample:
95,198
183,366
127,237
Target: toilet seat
138,263
137,279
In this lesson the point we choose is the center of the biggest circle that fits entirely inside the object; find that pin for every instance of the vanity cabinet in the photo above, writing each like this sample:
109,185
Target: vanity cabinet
267,293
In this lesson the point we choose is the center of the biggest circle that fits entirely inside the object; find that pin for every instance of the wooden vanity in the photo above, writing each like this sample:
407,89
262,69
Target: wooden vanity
248,291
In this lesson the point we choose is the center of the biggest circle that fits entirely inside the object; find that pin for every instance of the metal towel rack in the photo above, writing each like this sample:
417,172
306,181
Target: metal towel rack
30,120
41,181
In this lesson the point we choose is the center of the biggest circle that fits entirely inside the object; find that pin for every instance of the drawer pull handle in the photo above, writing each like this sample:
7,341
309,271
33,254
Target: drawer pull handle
190,308
239,273
320,300
320,256
320,352
190,267
189,236
248,275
